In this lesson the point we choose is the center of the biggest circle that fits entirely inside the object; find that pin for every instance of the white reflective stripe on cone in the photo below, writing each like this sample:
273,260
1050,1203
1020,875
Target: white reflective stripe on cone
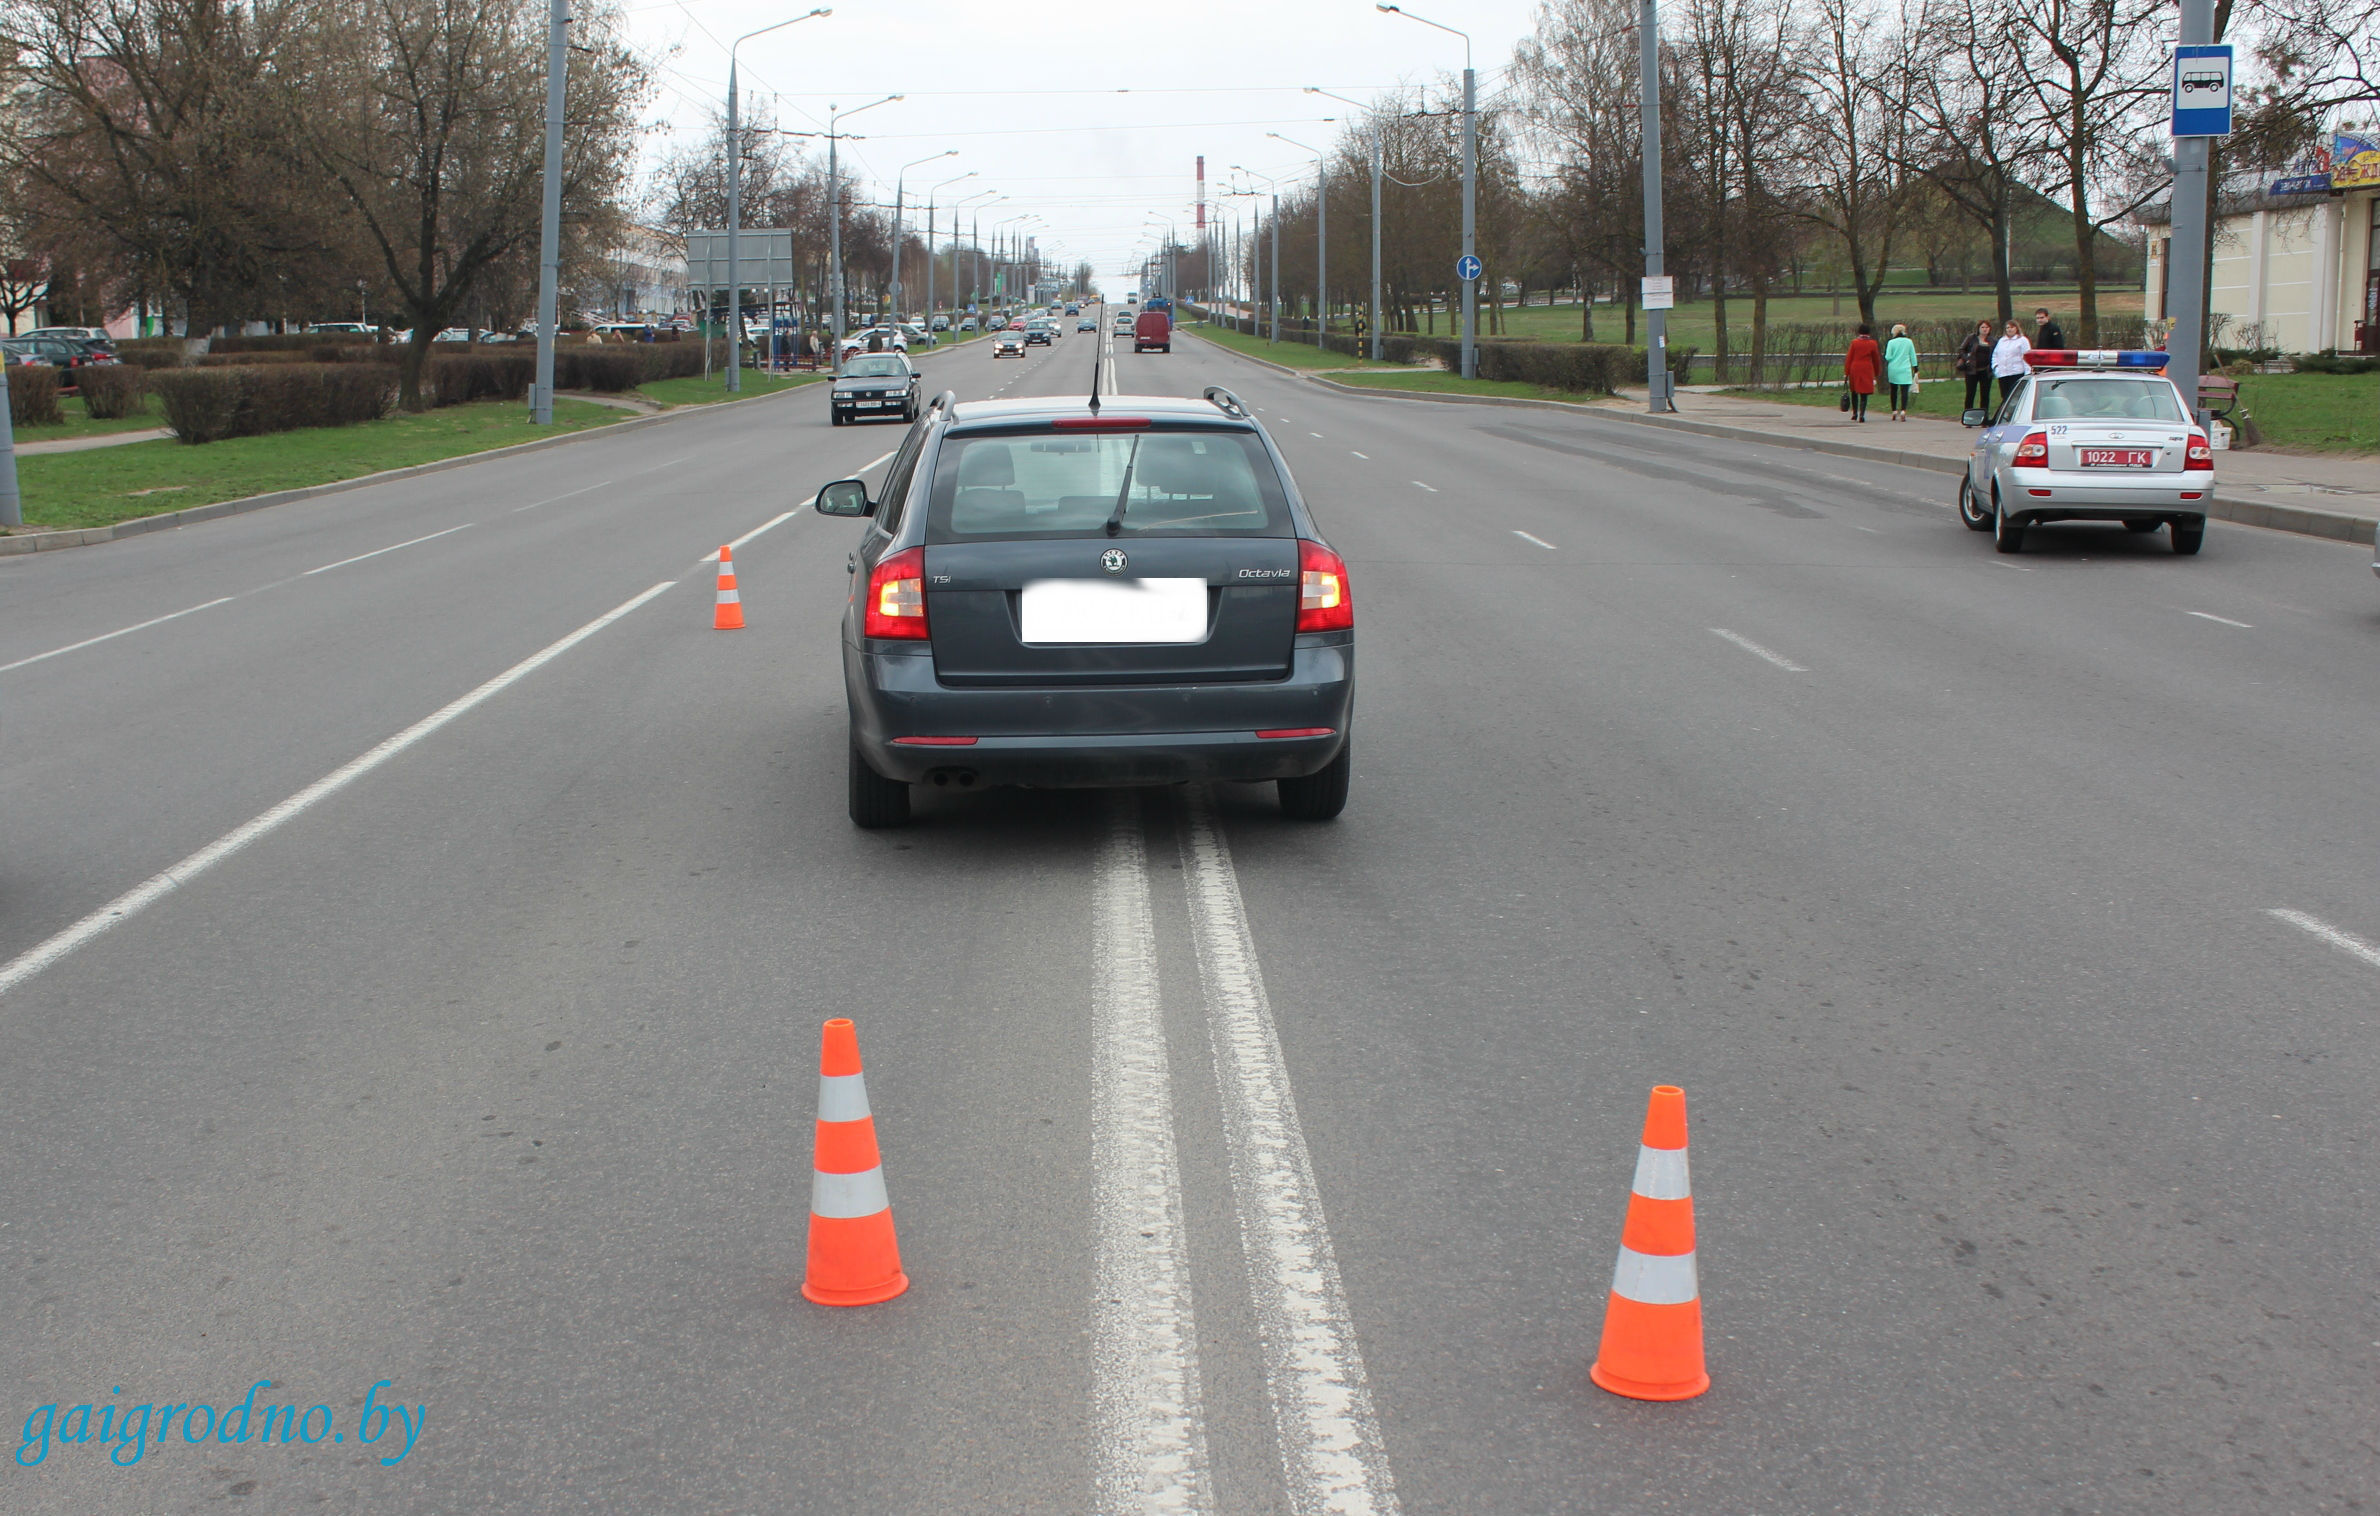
842,1097
845,1196
1654,1278
730,597
1661,1174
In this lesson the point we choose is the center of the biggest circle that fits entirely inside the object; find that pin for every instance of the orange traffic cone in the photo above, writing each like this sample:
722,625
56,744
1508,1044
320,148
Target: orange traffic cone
853,1257
1652,1325
730,615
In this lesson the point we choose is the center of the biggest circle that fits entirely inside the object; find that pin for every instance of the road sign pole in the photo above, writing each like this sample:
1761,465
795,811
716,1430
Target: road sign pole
549,228
1656,320
1470,216
12,512
2185,259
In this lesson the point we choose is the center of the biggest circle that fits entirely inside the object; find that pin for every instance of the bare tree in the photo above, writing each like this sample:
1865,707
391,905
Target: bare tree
1851,149
1973,144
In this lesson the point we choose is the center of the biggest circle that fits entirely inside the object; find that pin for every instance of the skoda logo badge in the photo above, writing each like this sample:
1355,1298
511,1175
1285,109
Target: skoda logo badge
1112,560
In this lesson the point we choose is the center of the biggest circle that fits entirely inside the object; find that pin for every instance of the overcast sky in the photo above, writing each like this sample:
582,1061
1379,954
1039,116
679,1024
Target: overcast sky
1029,97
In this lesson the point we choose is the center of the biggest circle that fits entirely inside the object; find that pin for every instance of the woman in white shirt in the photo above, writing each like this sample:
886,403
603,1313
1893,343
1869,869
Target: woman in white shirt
2008,359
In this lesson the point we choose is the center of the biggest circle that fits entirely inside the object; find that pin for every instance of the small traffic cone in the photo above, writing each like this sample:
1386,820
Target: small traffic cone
730,615
853,1257
1652,1325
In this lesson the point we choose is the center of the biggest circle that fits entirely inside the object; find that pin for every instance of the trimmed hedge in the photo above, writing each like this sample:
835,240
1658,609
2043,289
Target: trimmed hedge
605,370
262,357
151,352
113,391
461,377
2336,363
1582,368
248,400
33,395
278,342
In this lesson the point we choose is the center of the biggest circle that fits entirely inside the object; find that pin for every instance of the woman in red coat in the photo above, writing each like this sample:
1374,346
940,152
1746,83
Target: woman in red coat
1861,366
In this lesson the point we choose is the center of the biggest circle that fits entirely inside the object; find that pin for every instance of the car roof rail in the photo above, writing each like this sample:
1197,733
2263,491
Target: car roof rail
943,401
1226,402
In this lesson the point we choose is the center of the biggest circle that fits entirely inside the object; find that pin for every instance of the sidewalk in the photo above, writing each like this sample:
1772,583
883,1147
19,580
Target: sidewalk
84,444
2320,495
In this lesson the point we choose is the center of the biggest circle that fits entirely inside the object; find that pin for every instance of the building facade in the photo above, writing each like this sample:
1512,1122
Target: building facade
2296,261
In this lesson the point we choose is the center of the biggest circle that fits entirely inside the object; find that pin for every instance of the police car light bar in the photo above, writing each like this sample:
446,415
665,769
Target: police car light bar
2065,357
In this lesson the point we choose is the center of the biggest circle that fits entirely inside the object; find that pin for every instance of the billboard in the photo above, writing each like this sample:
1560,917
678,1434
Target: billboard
765,252
2354,162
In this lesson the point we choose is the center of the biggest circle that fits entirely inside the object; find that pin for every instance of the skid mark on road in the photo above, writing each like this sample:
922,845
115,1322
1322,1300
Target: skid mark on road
1148,1429
1322,1407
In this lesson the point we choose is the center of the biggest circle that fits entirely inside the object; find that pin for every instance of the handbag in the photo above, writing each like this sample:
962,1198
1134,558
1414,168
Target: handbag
1843,402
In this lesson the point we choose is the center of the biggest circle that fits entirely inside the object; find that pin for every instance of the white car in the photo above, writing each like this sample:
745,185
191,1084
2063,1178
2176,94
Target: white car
2089,436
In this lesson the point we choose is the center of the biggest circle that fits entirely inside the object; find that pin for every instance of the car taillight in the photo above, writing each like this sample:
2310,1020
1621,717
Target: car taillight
897,597
2033,452
1323,602
2200,454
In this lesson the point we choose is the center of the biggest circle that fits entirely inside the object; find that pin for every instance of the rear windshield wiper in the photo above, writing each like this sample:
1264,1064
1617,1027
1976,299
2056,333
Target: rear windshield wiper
1115,523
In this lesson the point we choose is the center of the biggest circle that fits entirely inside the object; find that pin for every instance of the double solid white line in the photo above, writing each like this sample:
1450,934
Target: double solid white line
1150,1427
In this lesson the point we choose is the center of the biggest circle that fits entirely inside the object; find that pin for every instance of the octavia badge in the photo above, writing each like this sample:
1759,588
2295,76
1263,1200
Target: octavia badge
1112,560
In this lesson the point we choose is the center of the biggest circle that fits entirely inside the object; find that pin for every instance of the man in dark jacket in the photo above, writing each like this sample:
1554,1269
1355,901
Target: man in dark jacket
2046,333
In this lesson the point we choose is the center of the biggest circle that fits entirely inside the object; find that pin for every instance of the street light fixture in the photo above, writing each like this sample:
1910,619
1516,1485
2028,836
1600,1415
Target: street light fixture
735,163
975,240
898,310
1470,186
1321,236
834,215
1377,152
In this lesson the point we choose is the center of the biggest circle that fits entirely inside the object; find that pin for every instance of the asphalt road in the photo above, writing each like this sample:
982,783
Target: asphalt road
2033,1150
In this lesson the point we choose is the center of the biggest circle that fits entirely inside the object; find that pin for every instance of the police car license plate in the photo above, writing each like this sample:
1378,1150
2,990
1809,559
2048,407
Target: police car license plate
2117,457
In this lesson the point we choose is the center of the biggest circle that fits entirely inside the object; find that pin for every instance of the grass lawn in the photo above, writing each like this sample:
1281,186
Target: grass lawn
1436,381
2331,413
1690,325
78,424
1292,354
694,389
110,484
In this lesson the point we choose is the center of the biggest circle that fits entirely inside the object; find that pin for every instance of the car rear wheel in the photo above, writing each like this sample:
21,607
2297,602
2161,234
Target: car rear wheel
1319,796
2187,536
876,801
2008,533
1971,510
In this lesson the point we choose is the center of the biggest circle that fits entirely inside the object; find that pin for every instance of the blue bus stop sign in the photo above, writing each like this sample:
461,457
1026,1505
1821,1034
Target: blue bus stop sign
2202,90
1467,267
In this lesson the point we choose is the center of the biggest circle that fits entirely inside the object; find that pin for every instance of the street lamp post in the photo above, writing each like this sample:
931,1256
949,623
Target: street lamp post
1273,300
1377,165
549,229
834,218
897,308
735,164
945,184
1470,186
1170,269
1657,376
1321,237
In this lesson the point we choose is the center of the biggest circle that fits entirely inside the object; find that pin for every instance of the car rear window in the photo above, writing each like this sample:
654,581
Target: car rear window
2105,399
1033,485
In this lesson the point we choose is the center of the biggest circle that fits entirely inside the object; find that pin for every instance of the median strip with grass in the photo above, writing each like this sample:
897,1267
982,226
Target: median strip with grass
1439,382
1290,354
66,491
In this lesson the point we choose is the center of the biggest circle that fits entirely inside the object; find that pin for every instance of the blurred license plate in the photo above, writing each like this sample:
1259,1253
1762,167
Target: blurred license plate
2118,457
1115,610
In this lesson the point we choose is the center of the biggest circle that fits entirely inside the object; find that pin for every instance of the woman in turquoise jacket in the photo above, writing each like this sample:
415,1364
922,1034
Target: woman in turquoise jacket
1900,369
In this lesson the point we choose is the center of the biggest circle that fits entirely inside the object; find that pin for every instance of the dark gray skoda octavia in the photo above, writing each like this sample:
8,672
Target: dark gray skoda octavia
1124,591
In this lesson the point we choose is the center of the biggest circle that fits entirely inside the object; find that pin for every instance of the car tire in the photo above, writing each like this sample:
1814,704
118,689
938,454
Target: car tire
1320,796
2008,533
834,415
2142,527
1970,510
876,802
910,414
2188,536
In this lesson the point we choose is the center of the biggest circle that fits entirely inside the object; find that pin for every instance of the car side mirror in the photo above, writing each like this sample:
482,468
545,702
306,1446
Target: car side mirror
1974,418
845,497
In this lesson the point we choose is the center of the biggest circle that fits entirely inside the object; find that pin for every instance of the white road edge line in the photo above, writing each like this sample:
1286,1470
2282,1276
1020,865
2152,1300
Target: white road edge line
774,521
2226,620
2345,942
392,547
1149,1429
871,463
119,632
131,903
1757,651
1331,1451
1540,541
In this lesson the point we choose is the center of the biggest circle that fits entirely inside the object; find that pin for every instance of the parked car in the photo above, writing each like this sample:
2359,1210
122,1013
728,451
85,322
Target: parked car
939,324
2089,436
967,324
340,329
92,334
65,354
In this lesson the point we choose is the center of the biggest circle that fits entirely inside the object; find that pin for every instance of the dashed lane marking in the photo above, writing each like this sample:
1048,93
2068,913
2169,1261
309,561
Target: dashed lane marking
2225,620
131,903
392,547
1757,651
1433,489
122,631
1365,456
2344,941
1540,541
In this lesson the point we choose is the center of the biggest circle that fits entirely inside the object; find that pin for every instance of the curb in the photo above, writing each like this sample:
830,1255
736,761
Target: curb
2303,521
42,542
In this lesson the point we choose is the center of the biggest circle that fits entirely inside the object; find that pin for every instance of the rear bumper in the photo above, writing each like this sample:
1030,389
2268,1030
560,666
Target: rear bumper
1105,735
2072,496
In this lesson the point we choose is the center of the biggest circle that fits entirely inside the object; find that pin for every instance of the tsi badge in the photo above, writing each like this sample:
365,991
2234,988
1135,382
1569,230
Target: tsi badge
1113,560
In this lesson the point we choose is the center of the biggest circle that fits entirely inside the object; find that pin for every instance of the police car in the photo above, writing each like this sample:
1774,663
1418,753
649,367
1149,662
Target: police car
2089,436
